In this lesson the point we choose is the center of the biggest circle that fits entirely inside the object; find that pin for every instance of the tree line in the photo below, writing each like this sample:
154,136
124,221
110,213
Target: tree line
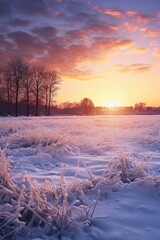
84,107
29,87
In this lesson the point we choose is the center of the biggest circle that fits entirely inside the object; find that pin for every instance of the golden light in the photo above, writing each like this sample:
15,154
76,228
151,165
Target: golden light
113,102
111,105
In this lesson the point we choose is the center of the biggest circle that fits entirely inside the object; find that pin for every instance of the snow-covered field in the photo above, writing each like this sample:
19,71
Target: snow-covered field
80,178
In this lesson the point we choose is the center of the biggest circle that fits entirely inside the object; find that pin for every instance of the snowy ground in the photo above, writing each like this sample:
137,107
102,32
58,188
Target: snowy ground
107,166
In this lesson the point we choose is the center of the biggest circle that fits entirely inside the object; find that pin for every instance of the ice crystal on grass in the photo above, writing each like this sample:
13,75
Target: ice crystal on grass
28,204
128,167
62,209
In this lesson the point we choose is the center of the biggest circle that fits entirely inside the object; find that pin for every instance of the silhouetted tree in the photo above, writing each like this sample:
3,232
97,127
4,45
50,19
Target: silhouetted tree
27,87
46,93
23,86
16,70
1,81
7,92
53,81
87,106
38,78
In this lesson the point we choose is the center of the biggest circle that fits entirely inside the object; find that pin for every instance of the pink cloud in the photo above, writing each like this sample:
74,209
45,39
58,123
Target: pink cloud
154,43
139,17
69,59
149,32
156,53
158,14
87,33
108,11
114,13
131,27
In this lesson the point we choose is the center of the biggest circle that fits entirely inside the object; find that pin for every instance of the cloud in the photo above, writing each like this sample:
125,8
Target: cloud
61,45
130,26
156,53
5,45
117,13
19,22
5,8
91,31
114,13
46,32
111,44
71,58
141,50
140,17
30,7
158,14
149,32
110,11
154,43
67,34
135,68
25,44
68,59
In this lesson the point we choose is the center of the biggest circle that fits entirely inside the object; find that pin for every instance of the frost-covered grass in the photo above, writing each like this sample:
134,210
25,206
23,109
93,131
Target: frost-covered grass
63,209
74,178
27,204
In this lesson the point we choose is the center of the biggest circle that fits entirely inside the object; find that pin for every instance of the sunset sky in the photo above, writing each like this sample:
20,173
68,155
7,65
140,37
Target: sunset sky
106,50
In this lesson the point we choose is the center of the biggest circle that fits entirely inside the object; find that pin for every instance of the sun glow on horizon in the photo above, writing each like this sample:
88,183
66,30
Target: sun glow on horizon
111,105
113,102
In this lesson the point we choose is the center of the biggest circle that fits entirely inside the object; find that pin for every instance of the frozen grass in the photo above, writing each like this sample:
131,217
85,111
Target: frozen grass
28,204
60,210
57,136
68,204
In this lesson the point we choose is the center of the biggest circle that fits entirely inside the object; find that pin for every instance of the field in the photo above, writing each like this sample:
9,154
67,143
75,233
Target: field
78,178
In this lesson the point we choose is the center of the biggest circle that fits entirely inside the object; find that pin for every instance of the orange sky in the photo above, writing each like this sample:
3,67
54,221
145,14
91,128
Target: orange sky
126,70
108,51
128,76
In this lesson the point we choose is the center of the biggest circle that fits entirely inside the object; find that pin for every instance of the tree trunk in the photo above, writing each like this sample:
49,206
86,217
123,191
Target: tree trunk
46,102
37,96
49,102
27,101
17,92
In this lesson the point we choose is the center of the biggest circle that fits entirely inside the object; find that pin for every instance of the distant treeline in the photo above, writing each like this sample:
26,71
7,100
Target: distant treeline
26,89
83,108
31,90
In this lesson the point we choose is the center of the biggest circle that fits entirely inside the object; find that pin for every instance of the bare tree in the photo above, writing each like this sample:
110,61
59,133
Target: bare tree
16,70
27,85
7,92
38,78
1,81
20,85
53,82
46,94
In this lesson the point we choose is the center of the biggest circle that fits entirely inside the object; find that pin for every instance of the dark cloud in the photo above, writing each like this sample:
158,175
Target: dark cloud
5,8
31,7
66,33
26,44
46,32
5,45
19,22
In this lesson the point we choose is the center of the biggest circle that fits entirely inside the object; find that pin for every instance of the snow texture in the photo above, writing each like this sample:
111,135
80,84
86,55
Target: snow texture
72,177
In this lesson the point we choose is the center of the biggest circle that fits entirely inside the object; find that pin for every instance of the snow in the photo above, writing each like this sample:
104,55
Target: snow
110,163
